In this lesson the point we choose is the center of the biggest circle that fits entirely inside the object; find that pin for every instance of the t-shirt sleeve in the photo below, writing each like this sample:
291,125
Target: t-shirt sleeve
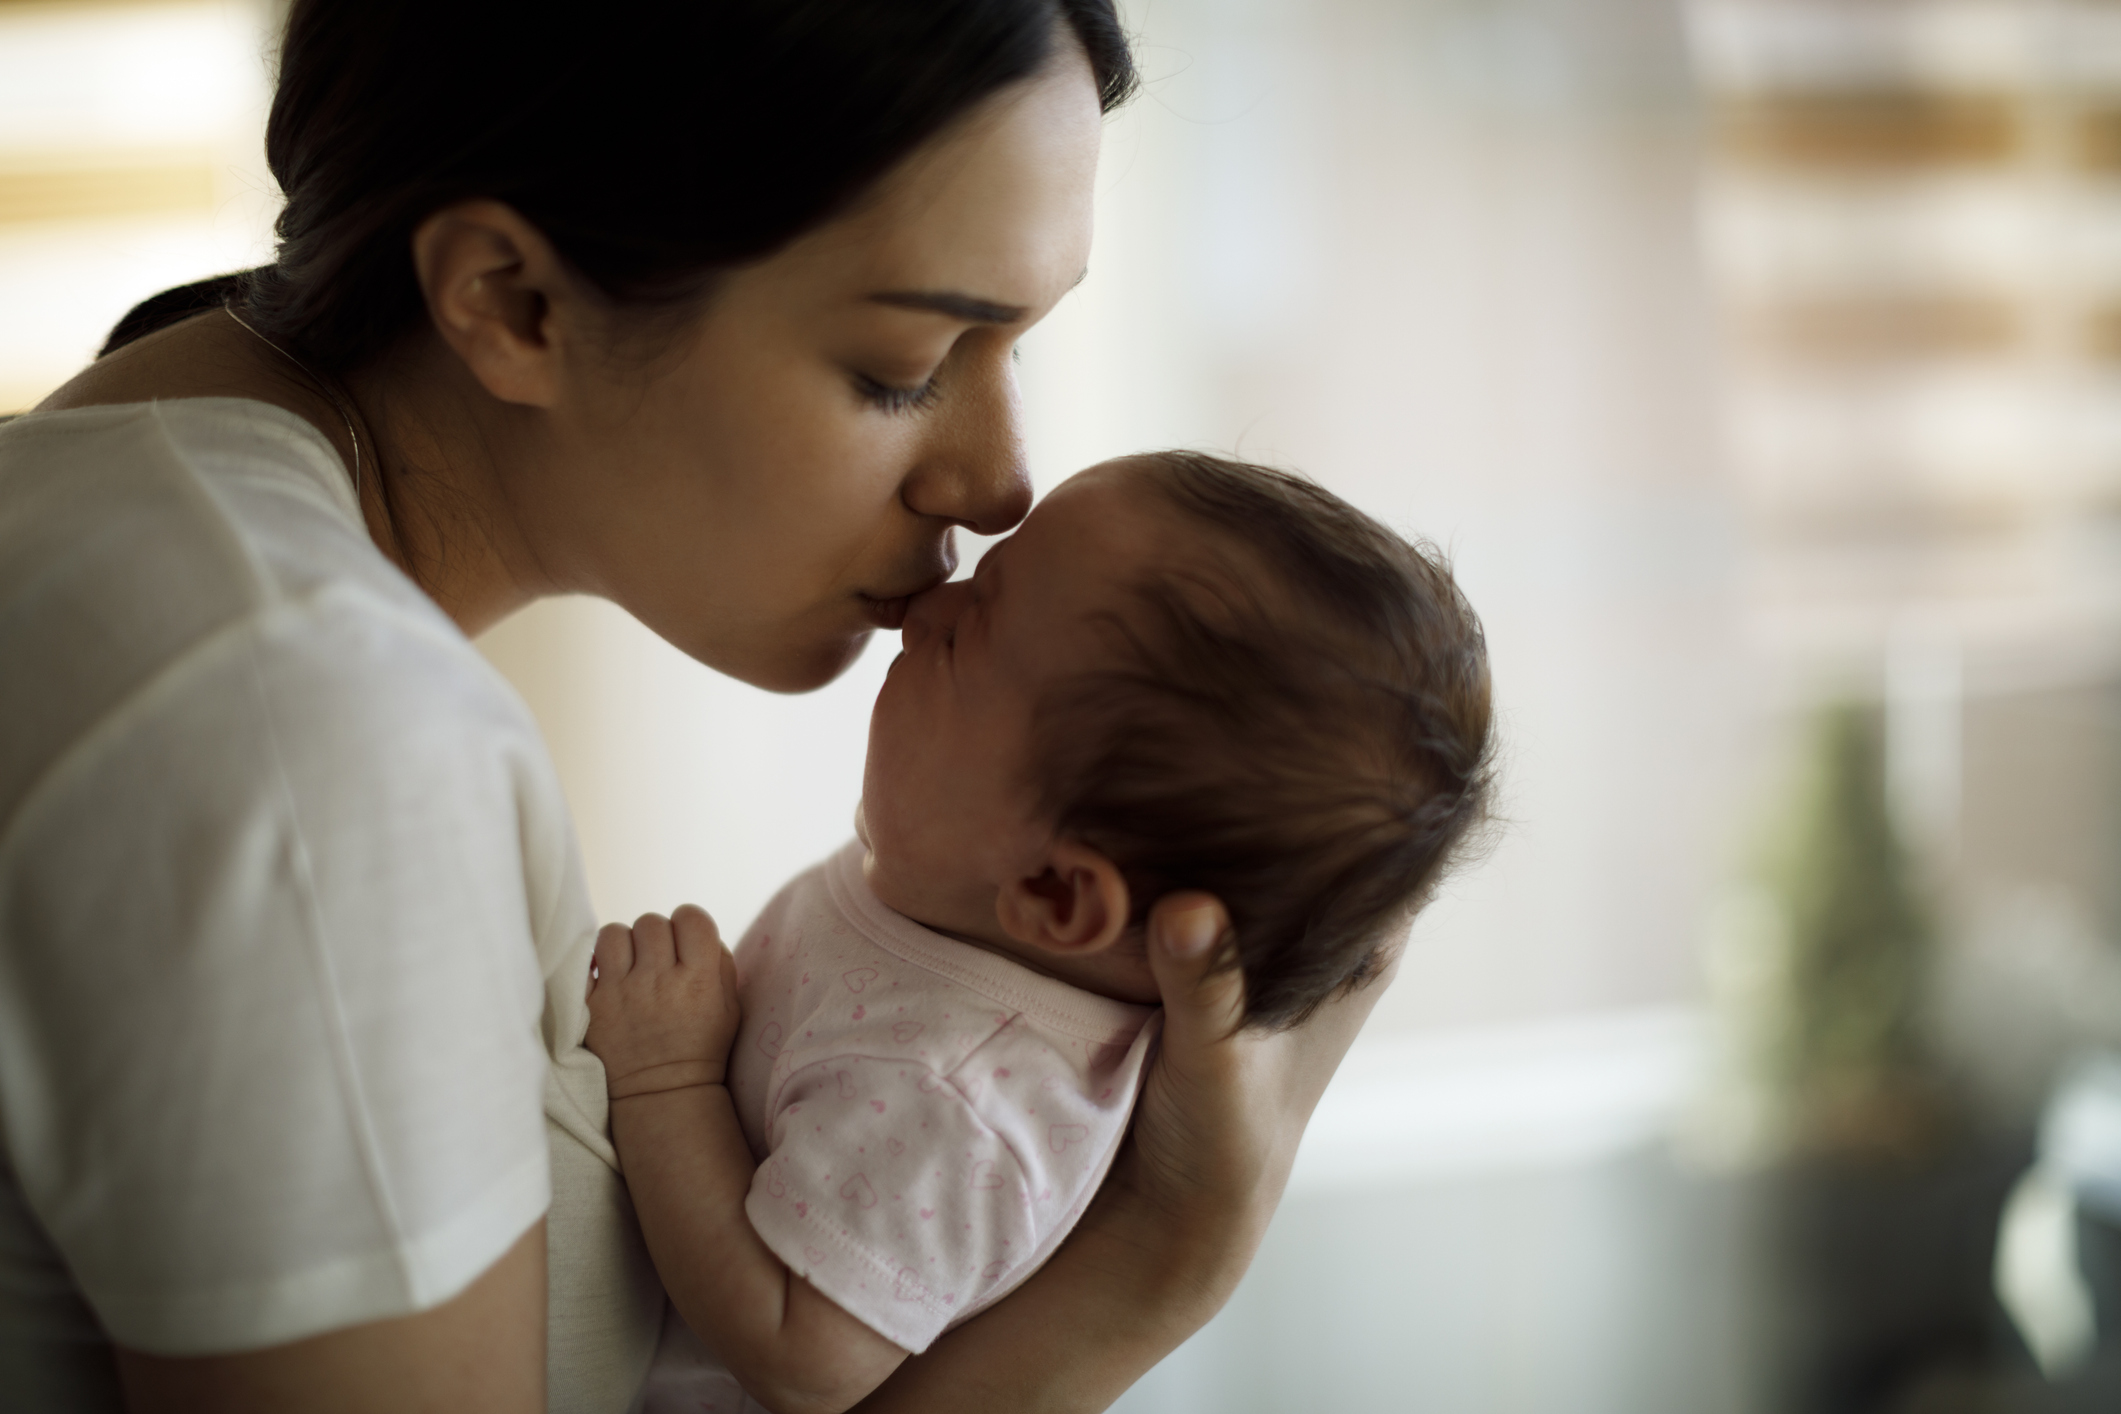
886,1191
269,1061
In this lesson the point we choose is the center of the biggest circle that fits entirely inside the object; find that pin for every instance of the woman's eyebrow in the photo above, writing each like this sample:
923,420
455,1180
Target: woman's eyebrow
970,308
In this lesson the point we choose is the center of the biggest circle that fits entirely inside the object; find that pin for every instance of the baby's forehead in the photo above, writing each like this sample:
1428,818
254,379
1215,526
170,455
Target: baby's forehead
1146,522
1125,505
1129,555
1105,526
1109,489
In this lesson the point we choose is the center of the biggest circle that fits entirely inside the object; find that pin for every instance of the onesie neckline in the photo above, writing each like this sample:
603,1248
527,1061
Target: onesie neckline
1061,1005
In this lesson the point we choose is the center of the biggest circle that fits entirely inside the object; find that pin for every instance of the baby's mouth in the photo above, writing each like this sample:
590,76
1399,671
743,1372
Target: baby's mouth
886,613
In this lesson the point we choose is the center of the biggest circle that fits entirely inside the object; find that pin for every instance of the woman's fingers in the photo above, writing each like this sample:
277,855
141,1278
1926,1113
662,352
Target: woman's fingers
1196,1121
698,940
1224,1109
1203,1003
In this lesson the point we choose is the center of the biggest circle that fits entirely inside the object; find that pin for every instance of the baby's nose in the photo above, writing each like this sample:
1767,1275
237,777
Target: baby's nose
935,610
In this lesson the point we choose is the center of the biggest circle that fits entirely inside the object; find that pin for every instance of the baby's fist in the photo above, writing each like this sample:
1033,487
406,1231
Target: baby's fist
663,1009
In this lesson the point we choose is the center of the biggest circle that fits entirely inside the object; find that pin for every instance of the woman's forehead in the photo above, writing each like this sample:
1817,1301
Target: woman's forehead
998,207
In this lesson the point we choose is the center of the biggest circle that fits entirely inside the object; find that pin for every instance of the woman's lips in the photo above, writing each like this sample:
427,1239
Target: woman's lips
888,611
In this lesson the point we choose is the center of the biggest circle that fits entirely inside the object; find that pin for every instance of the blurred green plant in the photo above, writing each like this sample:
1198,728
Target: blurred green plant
1821,966
1859,939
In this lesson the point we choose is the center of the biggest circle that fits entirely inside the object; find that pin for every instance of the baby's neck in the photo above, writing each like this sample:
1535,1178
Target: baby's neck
967,913
1121,972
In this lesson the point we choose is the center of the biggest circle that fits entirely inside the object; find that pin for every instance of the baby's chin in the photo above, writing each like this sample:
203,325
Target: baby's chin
883,882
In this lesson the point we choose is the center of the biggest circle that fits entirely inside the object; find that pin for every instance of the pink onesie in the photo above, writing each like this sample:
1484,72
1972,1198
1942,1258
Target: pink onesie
930,1118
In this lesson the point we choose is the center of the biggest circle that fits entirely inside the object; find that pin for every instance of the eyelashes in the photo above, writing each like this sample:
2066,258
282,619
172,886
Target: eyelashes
895,398
886,397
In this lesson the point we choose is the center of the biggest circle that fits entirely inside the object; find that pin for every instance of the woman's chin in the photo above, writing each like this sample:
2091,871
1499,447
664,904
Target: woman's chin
802,670
791,665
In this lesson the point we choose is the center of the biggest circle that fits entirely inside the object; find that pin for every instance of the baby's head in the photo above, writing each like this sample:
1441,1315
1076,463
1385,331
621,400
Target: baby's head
1182,673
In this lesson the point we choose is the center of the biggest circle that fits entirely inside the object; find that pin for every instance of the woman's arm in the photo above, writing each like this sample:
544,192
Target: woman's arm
480,1352
1178,1219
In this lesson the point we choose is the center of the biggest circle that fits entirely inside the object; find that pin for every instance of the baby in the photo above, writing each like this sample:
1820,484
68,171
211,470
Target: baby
1180,673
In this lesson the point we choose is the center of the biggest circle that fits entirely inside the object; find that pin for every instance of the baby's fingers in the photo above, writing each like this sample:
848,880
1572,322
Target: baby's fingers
654,946
698,941
613,958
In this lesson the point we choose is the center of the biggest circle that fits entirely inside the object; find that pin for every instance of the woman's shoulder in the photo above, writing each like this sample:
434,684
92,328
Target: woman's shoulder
184,510
161,559
221,488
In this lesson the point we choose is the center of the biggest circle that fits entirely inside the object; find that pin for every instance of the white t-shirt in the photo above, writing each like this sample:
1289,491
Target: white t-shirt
284,869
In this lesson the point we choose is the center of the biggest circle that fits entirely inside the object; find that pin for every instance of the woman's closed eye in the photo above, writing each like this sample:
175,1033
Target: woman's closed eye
889,397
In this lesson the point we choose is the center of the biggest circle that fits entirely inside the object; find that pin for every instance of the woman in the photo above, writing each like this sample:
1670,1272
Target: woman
706,309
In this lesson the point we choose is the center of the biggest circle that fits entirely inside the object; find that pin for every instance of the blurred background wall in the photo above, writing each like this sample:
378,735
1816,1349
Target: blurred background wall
131,159
1759,365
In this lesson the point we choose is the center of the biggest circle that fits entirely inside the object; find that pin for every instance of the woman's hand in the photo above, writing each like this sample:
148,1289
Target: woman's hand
1222,1112
663,1008
1176,1223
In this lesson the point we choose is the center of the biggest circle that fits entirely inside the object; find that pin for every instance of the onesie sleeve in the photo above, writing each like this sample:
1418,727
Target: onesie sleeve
886,1191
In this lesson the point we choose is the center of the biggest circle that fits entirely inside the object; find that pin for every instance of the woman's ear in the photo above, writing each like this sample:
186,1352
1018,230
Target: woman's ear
492,282
1078,905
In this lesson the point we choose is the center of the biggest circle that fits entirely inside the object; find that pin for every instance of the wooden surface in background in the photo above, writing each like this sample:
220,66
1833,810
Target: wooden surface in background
1870,128
57,187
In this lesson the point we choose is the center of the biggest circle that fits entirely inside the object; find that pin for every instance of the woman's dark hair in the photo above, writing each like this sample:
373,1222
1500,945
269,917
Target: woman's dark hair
654,142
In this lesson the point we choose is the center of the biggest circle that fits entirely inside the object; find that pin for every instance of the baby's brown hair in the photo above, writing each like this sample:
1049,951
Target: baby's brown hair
1298,722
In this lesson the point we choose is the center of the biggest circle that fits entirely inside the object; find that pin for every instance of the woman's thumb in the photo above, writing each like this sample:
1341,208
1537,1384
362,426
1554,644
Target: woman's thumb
1189,934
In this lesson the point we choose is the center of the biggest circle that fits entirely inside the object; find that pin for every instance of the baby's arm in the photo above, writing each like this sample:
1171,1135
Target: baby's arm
662,1015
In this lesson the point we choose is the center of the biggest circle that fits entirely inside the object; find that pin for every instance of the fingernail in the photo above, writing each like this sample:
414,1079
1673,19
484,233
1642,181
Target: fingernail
1192,931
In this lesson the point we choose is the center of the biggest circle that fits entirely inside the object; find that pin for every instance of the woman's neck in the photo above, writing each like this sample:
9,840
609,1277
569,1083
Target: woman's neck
432,446
455,463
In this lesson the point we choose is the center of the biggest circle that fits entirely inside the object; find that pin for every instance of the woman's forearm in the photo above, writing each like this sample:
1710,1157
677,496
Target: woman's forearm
1130,1285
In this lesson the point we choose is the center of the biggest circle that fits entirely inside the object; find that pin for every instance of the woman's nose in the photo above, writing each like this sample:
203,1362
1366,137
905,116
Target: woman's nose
973,471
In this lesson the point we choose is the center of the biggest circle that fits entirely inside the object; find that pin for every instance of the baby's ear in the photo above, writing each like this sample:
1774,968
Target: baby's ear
1078,905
